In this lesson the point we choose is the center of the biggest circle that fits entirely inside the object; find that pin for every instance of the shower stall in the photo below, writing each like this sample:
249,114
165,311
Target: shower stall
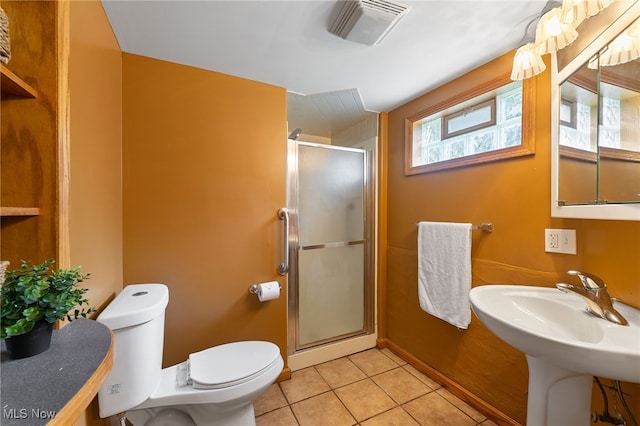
331,252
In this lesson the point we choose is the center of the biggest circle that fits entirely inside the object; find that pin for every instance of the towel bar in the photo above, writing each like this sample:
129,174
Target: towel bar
486,227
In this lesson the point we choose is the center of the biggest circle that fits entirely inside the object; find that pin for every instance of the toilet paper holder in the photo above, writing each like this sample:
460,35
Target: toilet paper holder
253,289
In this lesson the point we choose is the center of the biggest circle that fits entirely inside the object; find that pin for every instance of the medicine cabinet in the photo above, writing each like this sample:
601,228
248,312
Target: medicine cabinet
595,126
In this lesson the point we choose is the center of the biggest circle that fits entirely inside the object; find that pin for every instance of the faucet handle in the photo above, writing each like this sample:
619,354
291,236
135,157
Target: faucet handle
589,281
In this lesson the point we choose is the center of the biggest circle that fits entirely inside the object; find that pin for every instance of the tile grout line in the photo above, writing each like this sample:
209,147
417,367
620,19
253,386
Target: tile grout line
367,377
370,377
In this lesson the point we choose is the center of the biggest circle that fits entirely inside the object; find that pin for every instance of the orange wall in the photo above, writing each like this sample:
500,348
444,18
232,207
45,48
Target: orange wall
95,214
577,180
204,161
95,129
619,180
515,196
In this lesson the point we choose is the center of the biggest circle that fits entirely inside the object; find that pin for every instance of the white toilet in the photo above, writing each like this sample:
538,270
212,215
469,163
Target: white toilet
216,386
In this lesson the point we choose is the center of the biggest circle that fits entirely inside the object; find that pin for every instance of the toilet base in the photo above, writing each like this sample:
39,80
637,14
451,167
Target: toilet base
193,415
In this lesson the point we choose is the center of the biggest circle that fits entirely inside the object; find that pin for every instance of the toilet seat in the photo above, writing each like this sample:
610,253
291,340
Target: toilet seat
231,364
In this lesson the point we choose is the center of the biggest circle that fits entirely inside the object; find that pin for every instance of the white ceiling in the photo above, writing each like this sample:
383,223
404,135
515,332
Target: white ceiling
287,44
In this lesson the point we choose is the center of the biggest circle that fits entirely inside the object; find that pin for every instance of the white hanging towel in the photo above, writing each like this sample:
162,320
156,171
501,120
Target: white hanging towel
444,271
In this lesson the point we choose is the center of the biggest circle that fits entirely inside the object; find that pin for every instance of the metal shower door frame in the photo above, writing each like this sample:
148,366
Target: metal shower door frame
294,248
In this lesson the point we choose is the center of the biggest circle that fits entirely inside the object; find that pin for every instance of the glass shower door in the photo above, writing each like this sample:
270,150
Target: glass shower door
331,244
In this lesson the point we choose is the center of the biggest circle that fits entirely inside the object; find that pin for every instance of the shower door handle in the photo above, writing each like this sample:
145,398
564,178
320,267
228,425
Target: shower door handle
283,268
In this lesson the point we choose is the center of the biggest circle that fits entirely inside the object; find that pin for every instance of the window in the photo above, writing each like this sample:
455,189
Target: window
484,125
578,130
467,119
568,113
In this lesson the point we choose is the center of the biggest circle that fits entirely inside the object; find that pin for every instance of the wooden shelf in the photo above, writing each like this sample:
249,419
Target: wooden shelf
19,211
11,84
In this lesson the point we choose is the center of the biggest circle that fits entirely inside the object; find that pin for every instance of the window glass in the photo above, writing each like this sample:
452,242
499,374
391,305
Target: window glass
482,128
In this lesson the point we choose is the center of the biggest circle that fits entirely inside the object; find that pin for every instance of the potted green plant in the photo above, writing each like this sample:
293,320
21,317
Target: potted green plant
33,297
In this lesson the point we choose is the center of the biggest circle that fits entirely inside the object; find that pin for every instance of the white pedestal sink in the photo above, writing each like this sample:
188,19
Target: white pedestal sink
564,345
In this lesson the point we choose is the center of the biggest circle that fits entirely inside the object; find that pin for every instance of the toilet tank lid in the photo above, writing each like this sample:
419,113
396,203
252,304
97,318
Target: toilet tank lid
135,304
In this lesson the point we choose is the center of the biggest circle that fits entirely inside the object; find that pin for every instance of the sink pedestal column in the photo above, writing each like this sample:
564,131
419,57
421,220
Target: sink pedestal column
557,396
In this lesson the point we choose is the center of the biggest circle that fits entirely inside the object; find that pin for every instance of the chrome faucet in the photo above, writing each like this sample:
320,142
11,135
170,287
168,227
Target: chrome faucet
594,290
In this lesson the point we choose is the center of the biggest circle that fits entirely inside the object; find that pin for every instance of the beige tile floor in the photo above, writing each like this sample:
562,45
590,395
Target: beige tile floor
370,388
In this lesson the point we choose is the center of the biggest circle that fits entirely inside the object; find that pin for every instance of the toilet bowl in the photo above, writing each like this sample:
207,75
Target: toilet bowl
216,386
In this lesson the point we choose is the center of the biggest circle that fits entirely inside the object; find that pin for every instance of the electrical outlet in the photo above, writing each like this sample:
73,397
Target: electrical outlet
560,241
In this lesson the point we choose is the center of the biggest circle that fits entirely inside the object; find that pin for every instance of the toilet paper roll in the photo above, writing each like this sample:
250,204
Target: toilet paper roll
268,291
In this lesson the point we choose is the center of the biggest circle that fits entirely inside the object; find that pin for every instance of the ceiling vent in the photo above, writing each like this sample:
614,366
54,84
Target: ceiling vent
367,21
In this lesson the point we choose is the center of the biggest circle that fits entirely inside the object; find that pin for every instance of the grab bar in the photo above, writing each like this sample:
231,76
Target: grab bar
283,268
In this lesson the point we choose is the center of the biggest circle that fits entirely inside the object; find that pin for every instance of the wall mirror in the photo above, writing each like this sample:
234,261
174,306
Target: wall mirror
596,126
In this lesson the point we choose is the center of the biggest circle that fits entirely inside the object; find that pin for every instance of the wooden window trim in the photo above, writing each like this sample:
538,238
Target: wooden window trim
604,152
528,128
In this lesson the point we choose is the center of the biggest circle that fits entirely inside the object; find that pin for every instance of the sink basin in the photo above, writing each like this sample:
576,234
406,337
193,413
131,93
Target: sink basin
547,323
565,346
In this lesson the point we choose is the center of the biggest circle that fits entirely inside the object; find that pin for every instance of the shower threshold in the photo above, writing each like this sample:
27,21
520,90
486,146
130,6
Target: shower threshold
329,352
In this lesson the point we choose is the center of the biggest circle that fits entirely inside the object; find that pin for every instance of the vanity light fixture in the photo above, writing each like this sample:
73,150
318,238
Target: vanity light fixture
556,29
624,48
527,62
552,34
576,11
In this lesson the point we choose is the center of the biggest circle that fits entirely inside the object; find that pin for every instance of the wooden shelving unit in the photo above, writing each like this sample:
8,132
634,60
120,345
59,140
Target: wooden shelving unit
19,211
11,84
32,130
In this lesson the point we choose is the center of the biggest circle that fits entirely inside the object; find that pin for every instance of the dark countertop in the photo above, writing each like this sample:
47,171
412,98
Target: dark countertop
35,389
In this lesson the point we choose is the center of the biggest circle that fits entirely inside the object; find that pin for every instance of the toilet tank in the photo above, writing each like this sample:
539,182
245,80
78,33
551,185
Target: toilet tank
136,317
